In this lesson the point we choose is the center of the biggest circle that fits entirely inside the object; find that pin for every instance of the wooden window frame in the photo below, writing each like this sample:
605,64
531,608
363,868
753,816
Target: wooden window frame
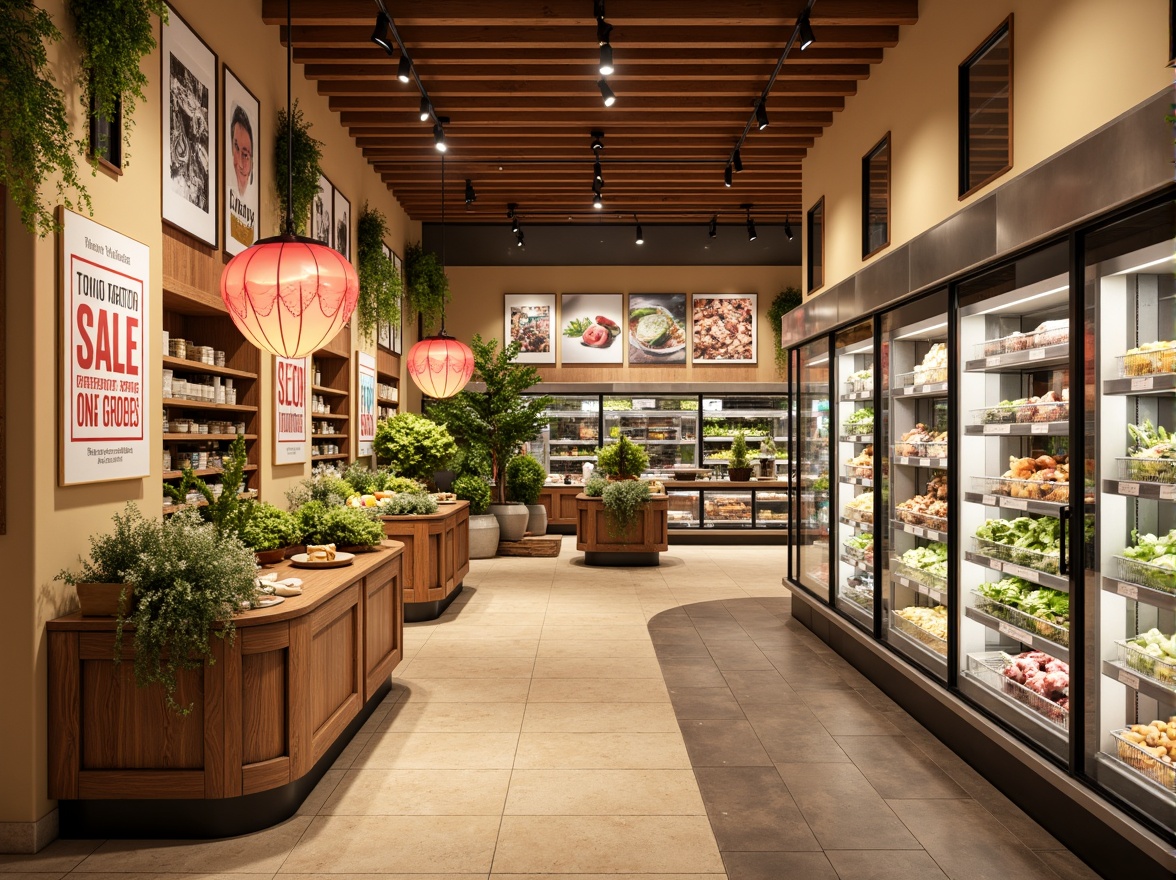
867,179
116,140
818,206
1004,29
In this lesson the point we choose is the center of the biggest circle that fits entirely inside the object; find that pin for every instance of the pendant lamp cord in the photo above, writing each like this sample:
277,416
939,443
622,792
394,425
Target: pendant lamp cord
289,230
442,236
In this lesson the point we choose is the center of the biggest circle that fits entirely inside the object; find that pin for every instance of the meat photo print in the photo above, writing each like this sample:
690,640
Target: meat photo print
724,328
590,328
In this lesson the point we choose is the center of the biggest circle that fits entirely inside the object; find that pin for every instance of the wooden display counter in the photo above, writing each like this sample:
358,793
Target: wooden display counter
560,503
436,557
641,544
268,717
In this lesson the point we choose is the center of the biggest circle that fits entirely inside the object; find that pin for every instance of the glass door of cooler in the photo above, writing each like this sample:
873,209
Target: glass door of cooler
572,435
665,425
763,419
1014,476
810,470
1130,585
913,489
853,364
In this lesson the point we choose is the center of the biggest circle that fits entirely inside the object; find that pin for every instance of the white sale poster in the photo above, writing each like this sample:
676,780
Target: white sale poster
104,350
290,384
367,403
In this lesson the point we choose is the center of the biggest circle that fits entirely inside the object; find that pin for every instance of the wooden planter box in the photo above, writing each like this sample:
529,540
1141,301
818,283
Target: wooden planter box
639,545
436,557
560,502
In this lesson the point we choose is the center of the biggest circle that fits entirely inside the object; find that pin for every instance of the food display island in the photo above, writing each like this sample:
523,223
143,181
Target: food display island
267,718
640,544
436,557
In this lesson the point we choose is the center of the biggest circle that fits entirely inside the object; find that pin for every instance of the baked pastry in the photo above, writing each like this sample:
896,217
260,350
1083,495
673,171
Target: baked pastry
320,552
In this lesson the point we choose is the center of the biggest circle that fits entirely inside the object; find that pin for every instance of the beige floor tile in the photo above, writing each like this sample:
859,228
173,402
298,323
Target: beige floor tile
595,620
609,648
351,751
584,751
495,618
478,876
395,845
606,877
478,649
259,853
604,793
163,875
465,690
462,633
458,667
57,858
607,845
423,750
598,690
455,718
563,632
429,792
600,718
585,667
318,796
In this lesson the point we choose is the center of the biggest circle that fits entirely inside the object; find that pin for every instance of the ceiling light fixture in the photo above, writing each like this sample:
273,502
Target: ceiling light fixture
439,138
596,171
404,68
606,60
751,235
470,195
426,110
510,215
727,175
640,234
713,231
607,94
382,35
761,113
597,141
519,238
597,201
788,227
805,30
737,161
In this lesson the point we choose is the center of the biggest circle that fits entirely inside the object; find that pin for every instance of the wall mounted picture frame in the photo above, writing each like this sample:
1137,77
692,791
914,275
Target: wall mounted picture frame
724,328
529,319
656,329
242,135
398,324
591,328
322,213
341,216
189,121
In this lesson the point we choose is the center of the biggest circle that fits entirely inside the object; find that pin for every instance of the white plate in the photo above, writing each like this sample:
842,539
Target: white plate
299,560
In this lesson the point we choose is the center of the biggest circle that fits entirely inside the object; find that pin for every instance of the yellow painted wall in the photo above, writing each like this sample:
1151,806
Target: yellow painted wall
477,307
48,525
1077,64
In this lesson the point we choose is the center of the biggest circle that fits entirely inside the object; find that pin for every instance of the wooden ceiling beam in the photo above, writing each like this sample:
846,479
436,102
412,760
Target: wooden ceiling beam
392,103
576,119
436,79
619,142
584,87
432,58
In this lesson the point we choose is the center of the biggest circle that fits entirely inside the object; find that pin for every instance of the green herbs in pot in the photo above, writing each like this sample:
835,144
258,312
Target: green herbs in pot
342,526
407,504
594,487
624,501
270,528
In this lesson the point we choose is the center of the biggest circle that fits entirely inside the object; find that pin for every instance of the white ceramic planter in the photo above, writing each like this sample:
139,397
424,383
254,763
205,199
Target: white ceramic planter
484,535
536,519
512,520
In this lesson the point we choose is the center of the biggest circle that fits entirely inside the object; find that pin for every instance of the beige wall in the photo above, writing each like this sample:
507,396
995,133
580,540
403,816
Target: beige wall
48,525
1077,64
477,306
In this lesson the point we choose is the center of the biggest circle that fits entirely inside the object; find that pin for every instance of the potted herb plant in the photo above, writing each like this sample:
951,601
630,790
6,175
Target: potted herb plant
623,501
484,530
496,422
341,525
767,457
618,519
102,586
415,446
739,467
525,479
623,460
269,532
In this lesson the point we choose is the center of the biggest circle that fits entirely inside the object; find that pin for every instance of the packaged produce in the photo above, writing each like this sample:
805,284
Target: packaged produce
1153,654
1150,561
862,464
929,509
926,565
921,441
931,620
1033,608
1149,358
1032,542
860,421
1153,457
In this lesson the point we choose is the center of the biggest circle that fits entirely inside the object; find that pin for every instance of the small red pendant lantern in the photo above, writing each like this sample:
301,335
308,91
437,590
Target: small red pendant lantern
440,365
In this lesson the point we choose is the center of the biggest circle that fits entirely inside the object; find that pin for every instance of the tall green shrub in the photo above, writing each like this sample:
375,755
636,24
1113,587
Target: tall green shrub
379,282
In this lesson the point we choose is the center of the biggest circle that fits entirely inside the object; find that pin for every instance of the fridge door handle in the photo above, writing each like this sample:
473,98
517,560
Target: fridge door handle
1063,557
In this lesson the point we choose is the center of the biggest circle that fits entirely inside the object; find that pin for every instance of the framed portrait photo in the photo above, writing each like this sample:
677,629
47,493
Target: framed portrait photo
591,327
242,134
322,208
529,320
189,136
724,328
342,219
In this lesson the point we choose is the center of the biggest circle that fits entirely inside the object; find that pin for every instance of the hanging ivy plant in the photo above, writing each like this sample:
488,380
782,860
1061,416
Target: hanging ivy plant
308,154
36,143
786,300
427,290
114,35
379,282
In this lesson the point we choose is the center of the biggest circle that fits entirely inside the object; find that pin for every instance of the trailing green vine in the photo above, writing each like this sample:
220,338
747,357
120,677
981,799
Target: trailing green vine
114,36
427,290
379,282
36,143
308,154
786,300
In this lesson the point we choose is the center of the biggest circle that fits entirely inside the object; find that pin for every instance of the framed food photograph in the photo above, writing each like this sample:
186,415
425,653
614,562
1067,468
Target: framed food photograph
342,219
322,208
590,328
242,118
398,324
724,328
529,319
189,135
655,327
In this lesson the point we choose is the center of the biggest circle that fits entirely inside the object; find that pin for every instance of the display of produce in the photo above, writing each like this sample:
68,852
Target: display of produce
933,368
861,508
1033,608
862,464
860,547
1149,358
1041,675
929,509
926,565
1153,457
1152,654
931,619
858,422
1150,749
1150,561
1044,478
1052,406
1032,542
1046,333
921,441
862,380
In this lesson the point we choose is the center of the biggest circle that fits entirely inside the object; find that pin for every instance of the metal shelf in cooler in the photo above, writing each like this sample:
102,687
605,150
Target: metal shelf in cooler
1140,593
1043,508
916,650
935,389
1015,713
859,564
1141,489
1019,429
857,395
863,616
868,482
1131,785
919,531
1141,684
1016,361
916,461
1053,581
937,596
1018,634
1152,384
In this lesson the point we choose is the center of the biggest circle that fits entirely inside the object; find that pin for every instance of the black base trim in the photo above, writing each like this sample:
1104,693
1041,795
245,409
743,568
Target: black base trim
416,612
625,559
199,818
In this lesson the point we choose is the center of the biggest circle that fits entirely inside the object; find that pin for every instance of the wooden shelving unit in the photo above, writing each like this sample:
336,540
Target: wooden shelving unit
331,384
387,384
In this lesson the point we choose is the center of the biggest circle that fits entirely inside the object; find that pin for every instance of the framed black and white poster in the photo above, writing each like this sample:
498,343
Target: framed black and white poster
189,120
322,209
384,328
242,117
342,219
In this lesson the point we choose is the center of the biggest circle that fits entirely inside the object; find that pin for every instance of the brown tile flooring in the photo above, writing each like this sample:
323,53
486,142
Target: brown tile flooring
561,721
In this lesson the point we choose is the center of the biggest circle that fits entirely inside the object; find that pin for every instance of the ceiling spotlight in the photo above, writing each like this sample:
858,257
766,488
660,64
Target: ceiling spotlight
713,231
382,35
788,227
426,110
751,236
727,175
519,239
606,60
607,94
761,114
439,138
404,68
640,234
737,161
805,30
597,201
470,195
597,186
596,171
514,220
597,141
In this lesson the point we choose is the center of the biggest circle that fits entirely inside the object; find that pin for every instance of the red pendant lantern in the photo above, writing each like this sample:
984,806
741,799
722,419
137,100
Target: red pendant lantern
289,295
440,365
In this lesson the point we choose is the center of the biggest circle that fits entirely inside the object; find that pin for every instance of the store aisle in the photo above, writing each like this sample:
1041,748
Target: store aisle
565,721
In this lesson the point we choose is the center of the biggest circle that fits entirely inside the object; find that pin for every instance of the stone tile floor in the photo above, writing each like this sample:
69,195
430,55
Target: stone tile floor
560,721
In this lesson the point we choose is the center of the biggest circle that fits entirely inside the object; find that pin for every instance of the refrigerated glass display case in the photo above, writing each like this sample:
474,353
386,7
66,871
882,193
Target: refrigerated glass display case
665,425
572,434
763,421
1129,337
853,367
810,472
913,506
